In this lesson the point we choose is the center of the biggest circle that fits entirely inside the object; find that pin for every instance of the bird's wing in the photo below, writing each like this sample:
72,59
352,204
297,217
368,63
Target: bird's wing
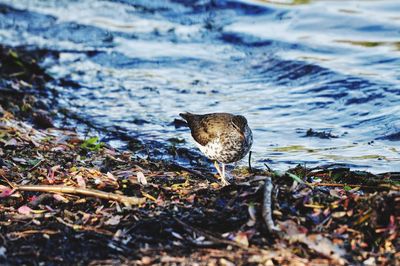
209,127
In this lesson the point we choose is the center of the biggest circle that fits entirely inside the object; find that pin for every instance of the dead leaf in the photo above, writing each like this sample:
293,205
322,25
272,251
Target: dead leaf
11,142
24,210
111,176
291,228
5,191
59,197
241,238
191,198
114,220
316,242
141,178
3,251
177,235
252,213
338,214
81,181
225,262
370,261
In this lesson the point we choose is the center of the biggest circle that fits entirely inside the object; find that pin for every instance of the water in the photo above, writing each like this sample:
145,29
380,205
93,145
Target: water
288,66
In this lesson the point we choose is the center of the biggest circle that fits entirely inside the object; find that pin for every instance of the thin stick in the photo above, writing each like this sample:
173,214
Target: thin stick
8,182
268,168
266,207
337,185
127,201
36,165
250,169
78,227
17,235
381,186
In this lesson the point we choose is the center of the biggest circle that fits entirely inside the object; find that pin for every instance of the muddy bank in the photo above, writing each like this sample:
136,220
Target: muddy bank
182,215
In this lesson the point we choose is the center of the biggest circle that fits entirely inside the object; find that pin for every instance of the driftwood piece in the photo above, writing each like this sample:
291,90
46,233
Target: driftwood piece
267,206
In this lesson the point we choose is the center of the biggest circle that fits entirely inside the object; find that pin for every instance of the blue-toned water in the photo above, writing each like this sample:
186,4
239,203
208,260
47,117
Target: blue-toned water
287,65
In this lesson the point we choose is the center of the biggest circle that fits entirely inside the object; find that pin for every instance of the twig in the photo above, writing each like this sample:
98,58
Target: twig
266,207
268,168
127,201
17,235
250,169
320,226
209,236
78,227
381,186
8,182
36,165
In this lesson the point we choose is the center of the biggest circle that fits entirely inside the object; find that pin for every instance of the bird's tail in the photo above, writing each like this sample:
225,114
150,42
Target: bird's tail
187,116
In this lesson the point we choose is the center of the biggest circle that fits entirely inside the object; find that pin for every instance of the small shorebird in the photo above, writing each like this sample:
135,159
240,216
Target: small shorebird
222,137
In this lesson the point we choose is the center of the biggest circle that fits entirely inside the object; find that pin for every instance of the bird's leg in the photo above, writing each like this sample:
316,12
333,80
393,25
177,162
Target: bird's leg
217,167
221,173
224,181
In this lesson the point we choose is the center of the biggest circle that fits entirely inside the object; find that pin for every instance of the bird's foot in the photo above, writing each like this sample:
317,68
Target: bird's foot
224,181
221,174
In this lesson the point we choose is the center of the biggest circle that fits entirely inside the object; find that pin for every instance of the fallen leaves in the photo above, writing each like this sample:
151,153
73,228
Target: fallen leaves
316,242
129,203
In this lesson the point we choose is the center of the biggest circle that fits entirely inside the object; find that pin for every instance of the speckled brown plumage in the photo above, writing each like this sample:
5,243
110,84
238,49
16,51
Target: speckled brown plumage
222,137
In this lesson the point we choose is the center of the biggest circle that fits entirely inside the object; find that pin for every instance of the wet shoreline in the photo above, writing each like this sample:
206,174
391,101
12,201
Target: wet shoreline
133,73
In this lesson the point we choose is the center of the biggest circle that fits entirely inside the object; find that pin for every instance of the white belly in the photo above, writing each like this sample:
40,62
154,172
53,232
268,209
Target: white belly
212,150
232,150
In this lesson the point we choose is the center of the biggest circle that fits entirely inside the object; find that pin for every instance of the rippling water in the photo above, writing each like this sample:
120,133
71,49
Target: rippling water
289,65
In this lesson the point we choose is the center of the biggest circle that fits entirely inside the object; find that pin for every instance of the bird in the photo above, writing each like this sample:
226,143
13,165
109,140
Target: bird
222,137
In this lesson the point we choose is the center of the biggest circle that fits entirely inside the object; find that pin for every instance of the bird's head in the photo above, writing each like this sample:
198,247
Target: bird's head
239,122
